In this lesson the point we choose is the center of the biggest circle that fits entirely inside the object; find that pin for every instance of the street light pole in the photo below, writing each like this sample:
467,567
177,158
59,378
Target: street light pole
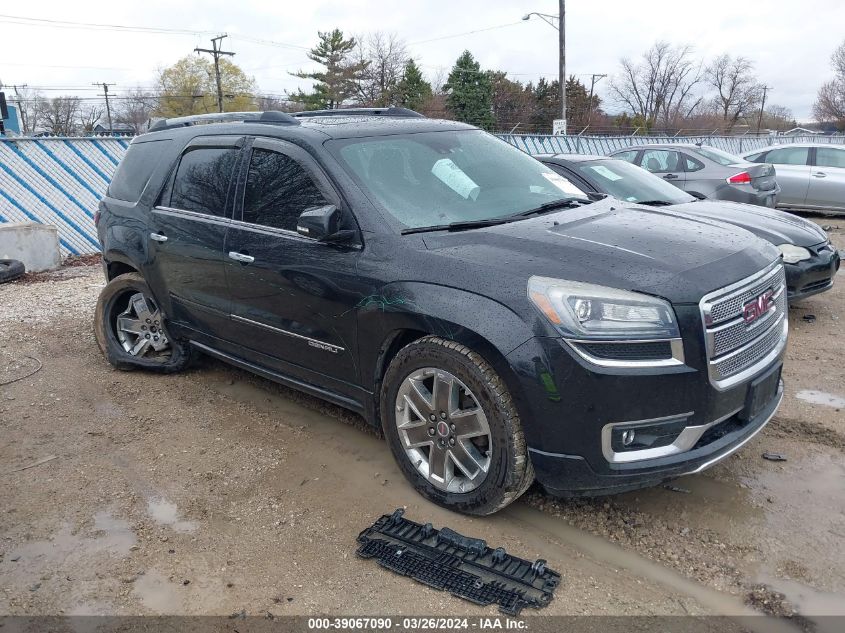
562,60
561,28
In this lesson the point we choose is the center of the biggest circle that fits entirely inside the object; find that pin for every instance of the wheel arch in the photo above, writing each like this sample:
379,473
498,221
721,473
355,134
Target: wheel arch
398,319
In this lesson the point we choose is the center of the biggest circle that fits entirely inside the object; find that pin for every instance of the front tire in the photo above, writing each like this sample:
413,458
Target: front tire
453,428
130,329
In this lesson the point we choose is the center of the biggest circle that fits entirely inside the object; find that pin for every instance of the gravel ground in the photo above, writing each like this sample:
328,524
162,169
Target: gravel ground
214,491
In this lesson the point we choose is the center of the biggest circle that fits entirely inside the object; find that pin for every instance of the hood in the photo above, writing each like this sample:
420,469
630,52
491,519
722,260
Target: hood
773,226
612,244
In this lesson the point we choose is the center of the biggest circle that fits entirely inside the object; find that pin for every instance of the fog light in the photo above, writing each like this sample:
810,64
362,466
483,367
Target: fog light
646,434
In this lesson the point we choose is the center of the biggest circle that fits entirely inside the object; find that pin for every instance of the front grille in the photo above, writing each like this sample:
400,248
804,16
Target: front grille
734,346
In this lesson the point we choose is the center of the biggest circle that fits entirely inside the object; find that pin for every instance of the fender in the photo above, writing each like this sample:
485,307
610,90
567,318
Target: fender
480,323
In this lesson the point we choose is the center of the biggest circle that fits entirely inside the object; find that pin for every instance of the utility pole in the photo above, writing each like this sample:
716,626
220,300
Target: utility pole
762,105
215,52
562,60
594,79
21,112
108,107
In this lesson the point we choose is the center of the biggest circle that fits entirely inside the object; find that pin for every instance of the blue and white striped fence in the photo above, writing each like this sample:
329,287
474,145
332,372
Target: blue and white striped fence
59,181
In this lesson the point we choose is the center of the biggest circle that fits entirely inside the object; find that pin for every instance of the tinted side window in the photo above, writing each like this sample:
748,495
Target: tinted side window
278,190
202,180
661,161
830,157
134,171
691,164
788,156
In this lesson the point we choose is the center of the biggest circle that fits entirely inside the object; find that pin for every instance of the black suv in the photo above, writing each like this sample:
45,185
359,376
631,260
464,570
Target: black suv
496,323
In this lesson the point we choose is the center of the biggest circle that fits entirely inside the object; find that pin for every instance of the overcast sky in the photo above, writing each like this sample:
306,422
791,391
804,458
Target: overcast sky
790,42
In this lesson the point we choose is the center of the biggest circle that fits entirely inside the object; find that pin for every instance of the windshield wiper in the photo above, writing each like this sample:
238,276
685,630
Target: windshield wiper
461,225
566,203
656,203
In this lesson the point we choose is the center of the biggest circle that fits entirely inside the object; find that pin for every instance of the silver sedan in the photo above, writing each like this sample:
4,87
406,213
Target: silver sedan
811,175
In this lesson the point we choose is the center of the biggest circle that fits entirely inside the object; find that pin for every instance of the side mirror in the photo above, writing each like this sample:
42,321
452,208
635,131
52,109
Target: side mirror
323,225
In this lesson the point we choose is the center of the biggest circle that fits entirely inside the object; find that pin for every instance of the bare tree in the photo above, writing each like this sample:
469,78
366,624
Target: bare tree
383,57
135,108
738,92
60,116
830,102
660,88
777,117
88,117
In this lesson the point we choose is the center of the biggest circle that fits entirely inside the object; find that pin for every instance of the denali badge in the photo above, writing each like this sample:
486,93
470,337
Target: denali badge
758,306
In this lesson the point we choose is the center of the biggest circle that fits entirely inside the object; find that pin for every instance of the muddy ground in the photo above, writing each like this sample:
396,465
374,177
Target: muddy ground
216,492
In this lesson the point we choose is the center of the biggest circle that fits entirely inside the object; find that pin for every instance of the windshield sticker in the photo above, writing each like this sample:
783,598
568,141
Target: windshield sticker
562,183
601,170
453,177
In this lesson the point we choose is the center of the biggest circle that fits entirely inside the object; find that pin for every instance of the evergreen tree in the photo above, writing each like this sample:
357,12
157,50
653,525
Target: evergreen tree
470,92
338,81
414,90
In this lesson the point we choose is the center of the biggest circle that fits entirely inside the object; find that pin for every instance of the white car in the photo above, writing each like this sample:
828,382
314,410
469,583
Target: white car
811,175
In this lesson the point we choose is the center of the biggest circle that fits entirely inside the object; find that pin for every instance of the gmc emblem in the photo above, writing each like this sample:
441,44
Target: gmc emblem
758,306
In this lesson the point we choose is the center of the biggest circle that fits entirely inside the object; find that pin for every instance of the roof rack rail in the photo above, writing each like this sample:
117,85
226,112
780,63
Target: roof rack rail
270,116
389,111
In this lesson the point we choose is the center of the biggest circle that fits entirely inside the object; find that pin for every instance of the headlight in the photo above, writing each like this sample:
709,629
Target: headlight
589,312
793,254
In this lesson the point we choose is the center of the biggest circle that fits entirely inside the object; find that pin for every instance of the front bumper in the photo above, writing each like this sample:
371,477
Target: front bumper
567,404
572,475
813,275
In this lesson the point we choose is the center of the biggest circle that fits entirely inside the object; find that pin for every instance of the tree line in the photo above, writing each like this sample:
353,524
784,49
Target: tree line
665,90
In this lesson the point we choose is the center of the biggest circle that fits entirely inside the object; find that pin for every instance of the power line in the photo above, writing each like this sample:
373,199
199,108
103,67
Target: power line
446,37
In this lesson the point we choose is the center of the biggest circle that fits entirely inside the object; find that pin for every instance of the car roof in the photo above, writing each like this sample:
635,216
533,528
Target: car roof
782,145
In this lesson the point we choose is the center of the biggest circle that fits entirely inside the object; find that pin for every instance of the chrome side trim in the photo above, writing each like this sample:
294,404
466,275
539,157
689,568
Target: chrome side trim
685,440
676,345
192,215
313,342
734,449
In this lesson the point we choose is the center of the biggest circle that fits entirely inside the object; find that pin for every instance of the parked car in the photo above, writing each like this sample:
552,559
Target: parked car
811,262
707,172
811,175
496,323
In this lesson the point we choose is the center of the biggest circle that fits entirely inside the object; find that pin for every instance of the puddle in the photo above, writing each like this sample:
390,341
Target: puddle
108,410
156,593
810,602
118,538
164,512
820,397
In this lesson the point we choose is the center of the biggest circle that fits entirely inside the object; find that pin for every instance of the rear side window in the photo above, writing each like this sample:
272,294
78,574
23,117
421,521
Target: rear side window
830,157
788,156
691,164
202,180
278,190
756,158
134,171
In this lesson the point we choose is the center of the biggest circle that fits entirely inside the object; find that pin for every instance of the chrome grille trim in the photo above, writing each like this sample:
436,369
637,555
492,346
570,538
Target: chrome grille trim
736,350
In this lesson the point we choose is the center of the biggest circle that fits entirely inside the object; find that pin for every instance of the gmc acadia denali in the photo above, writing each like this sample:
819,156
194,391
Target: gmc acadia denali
497,324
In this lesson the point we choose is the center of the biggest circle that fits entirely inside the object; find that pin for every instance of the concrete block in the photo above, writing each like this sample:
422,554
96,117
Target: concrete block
36,245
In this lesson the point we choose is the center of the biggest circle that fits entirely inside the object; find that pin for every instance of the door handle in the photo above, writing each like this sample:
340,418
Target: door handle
669,177
158,237
240,257
819,174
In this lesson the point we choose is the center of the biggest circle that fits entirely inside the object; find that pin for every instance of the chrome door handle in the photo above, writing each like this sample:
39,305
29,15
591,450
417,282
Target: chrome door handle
819,174
240,257
158,237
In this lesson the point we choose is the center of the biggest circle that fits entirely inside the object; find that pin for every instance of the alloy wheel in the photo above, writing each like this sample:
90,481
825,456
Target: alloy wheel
443,430
139,327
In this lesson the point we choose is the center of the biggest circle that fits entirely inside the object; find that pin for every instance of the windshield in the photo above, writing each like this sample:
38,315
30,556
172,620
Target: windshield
625,181
718,156
436,178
